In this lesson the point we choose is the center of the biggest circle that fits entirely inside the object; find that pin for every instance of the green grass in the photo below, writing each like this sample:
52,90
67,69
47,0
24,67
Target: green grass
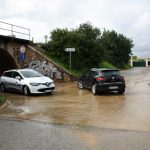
105,64
2,100
65,67
127,67
77,73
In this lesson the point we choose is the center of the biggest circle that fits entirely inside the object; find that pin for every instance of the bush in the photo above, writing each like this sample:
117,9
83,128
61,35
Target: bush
2,100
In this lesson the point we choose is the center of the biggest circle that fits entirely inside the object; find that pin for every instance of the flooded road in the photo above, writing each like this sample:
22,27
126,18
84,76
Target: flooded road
69,105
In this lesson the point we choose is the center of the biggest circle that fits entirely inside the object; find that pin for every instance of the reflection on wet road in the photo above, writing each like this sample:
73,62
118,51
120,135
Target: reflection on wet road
69,105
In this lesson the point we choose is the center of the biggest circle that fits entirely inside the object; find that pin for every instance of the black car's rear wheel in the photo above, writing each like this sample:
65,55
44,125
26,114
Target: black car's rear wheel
80,85
94,89
26,90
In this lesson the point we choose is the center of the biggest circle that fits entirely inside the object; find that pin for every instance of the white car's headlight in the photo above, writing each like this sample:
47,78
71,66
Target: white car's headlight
35,84
52,82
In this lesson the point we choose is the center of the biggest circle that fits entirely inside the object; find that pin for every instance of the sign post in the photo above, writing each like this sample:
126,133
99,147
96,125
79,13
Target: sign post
70,50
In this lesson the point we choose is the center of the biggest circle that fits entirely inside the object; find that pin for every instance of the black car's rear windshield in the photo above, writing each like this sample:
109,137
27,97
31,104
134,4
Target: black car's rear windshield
110,73
30,74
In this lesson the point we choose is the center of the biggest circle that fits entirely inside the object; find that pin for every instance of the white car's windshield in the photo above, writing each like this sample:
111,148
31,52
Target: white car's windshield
30,74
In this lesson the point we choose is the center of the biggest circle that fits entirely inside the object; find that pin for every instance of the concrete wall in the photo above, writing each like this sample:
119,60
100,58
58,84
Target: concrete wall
139,63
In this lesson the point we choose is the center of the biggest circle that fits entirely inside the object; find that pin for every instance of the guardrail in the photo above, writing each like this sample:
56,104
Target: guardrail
14,30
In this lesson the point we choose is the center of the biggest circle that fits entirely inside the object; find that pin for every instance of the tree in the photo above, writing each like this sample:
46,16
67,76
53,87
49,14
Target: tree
117,47
46,38
91,46
84,39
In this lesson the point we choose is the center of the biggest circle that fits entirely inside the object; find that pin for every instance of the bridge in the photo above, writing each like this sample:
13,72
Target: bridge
17,52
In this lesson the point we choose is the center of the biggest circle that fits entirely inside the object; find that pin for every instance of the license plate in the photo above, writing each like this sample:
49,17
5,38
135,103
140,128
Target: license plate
47,90
113,87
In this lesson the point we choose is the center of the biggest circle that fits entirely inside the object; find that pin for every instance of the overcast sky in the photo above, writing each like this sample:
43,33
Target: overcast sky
128,17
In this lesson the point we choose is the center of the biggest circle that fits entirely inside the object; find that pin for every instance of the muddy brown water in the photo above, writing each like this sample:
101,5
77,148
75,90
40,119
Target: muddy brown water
69,105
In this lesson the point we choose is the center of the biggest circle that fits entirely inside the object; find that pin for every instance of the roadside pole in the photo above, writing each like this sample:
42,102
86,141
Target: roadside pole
70,60
70,50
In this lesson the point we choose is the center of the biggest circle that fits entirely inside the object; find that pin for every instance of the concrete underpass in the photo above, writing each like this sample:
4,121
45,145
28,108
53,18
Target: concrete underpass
6,61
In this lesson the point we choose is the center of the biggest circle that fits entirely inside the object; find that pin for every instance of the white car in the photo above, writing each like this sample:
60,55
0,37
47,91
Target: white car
27,81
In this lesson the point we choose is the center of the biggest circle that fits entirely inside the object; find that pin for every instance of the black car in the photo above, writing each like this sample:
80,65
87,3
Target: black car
102,80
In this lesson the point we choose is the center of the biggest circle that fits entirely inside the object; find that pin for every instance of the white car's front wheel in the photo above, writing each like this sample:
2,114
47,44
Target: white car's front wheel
26,90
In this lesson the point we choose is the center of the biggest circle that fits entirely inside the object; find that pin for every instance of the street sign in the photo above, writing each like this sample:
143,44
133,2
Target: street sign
22,49
70,49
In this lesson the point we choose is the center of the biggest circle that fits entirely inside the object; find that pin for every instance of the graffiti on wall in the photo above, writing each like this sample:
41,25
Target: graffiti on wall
46,68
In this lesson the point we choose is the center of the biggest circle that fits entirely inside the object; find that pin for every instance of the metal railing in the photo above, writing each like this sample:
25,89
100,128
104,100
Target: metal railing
12,31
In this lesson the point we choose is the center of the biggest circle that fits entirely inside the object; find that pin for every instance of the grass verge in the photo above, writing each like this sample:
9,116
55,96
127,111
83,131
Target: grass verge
78,73
2,100
105,64
63,66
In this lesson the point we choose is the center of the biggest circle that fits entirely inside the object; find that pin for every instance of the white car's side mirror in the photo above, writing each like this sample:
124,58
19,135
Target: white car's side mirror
18,77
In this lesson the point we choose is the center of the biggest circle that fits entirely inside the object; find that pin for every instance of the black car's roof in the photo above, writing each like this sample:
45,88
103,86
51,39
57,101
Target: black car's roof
103,69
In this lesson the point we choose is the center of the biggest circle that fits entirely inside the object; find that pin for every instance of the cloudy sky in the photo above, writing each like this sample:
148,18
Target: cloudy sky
128,17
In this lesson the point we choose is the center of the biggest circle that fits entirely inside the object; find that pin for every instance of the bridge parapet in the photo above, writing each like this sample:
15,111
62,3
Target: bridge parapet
12,30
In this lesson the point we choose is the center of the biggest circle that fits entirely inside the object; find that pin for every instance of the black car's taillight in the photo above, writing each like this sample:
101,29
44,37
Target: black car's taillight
100,79
121,77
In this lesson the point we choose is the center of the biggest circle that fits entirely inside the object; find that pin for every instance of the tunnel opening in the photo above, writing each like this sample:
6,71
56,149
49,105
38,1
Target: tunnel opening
6,61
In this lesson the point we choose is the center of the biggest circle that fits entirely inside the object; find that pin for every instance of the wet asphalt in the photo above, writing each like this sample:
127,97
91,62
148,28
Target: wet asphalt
34,135
106,121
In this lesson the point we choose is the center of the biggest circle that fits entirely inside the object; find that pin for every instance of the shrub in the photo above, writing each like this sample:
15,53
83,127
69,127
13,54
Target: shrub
2,100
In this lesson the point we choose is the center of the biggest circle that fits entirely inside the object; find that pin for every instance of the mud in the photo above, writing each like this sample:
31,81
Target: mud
69,105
